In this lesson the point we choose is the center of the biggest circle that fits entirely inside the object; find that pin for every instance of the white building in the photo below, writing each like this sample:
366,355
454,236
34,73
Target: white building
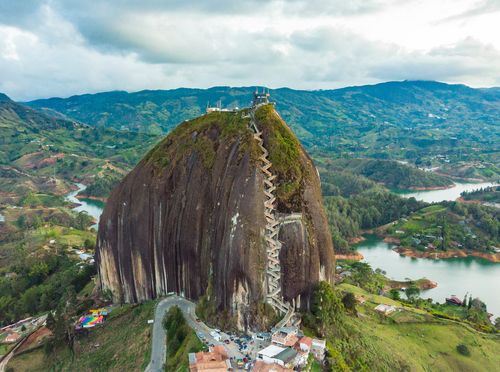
284,356
318,348
305,344
285,336
385,309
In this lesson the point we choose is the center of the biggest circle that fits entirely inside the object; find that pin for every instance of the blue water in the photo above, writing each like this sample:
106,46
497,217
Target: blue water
92,207
457,276
453,193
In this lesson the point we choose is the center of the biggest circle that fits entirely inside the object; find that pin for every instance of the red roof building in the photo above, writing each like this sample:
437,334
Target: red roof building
305,343
215,360
12,337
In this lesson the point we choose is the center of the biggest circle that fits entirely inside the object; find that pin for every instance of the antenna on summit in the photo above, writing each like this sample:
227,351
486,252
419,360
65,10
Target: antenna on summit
260,98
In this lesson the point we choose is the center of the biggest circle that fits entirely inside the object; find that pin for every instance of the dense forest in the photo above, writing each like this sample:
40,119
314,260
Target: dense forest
354,203
392,174
101,187
38,263
38,284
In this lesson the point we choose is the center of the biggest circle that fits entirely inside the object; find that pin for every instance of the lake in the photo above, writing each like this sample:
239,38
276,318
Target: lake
453,193
457,276
93,207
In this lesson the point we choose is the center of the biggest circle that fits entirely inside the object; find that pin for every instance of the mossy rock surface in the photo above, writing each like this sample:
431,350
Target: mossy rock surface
192,213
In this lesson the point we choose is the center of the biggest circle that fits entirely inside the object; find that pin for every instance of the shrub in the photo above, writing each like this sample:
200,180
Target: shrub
463,349
349,302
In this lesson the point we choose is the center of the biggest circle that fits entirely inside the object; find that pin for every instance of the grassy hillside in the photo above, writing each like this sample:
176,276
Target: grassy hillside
409,339
35,147
123,343
428,123
181,340
450,226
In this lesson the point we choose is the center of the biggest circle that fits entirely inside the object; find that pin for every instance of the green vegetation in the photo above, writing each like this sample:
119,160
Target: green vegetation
348,346
33,200
463,349
449,225
38,283
181,340
488,194
354,203
36,148
37,264
408,339
101,187
123,343
199,134
423,122
375,287
391,173
284,153
363,276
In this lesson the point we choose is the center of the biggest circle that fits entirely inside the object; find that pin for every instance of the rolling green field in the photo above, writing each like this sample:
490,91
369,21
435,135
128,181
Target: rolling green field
432,346
418,340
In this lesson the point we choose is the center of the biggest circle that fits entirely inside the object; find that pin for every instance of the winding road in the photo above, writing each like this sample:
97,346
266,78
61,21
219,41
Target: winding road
159,344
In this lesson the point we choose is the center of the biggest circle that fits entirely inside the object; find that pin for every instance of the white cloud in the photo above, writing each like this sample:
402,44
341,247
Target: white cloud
64,47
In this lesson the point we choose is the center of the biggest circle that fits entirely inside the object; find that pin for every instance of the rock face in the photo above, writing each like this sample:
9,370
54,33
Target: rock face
190,217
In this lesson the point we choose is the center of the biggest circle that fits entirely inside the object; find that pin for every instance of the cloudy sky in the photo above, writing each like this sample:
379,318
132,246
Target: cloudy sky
65,47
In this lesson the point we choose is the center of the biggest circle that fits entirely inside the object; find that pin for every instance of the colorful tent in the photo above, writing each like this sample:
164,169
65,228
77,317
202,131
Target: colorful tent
89,321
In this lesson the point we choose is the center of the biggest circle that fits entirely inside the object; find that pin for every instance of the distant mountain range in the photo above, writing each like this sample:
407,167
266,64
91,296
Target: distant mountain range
400,120
425,123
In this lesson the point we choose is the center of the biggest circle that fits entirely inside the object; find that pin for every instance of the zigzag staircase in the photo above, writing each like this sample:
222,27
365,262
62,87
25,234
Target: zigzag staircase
273,272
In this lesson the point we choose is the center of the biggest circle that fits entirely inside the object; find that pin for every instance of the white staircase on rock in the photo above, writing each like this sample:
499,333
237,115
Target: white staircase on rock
273,271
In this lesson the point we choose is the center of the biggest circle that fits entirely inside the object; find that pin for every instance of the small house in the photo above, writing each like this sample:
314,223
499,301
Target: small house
285,336
283,356
360,299
215,360
385,309
305,343
454,300
12,337
318,348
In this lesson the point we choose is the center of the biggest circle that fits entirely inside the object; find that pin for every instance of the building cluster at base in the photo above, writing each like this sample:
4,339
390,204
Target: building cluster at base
288,350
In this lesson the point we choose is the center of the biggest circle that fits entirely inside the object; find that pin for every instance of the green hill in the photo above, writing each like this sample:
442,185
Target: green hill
34,147
423,122
391,173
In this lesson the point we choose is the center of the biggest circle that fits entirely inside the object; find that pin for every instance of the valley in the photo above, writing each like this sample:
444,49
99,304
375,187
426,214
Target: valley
249,186
61,159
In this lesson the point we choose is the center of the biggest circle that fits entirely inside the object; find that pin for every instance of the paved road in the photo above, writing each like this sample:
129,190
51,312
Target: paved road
159,345
158,352
39,322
